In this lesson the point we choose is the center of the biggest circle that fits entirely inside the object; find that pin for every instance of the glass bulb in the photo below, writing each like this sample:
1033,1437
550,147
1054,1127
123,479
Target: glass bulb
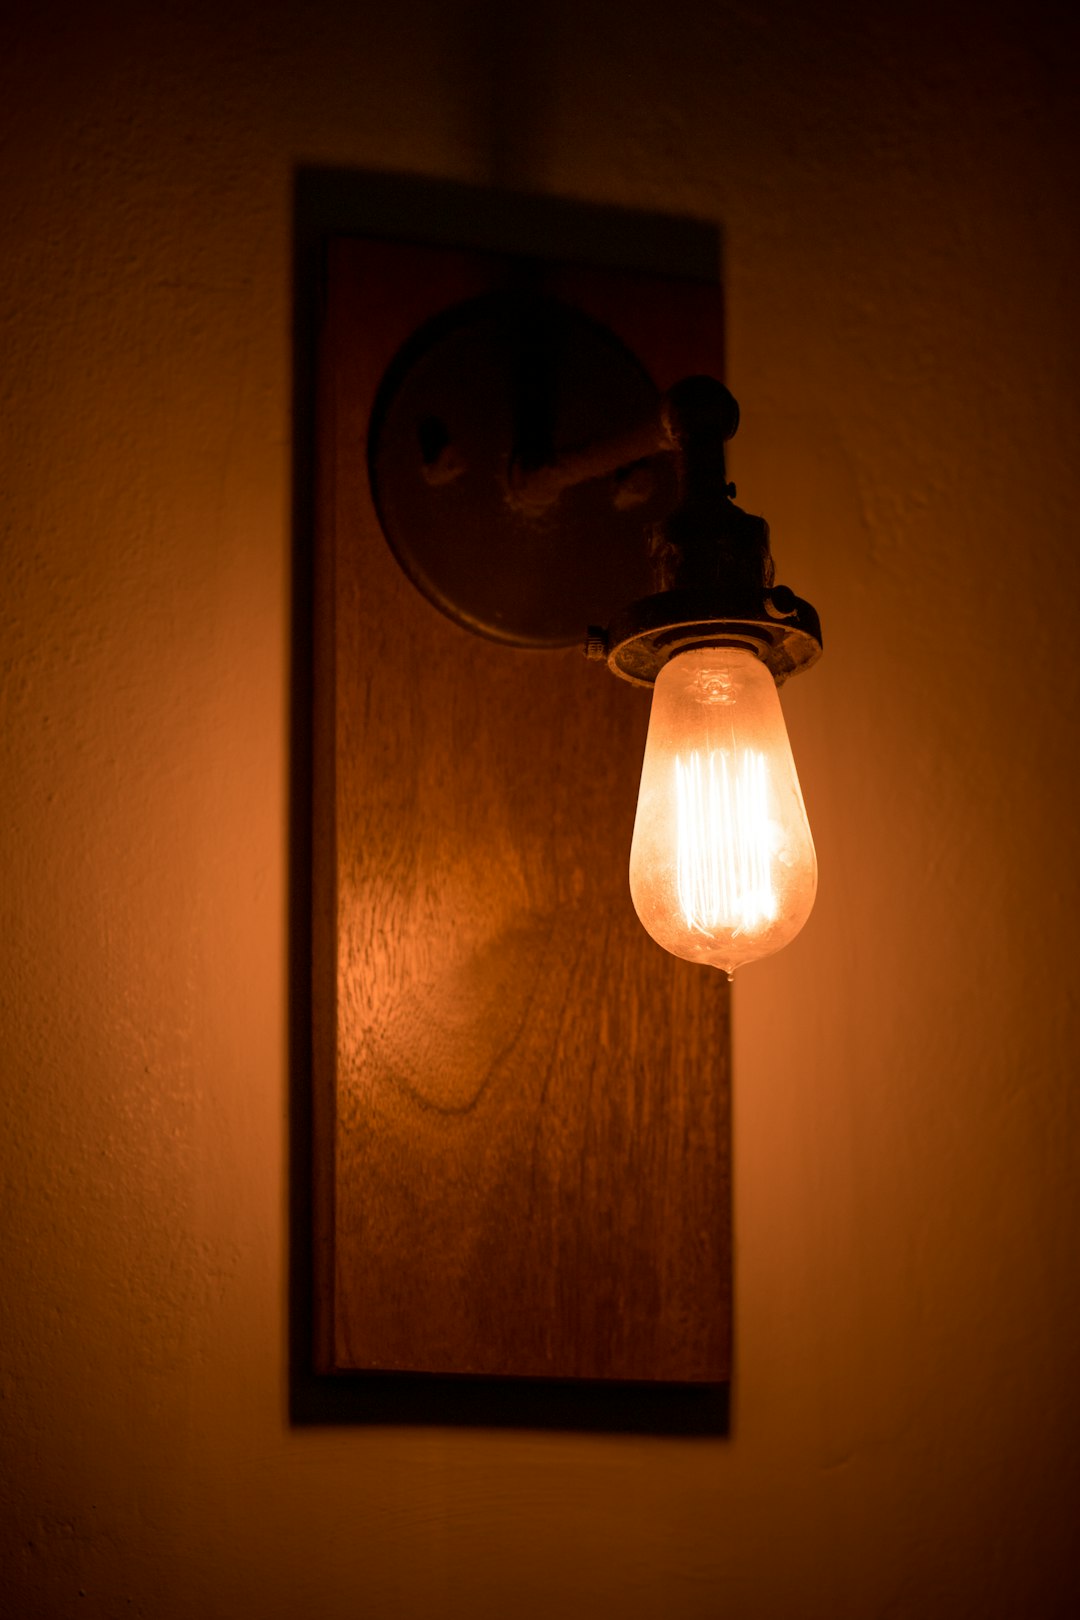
722,866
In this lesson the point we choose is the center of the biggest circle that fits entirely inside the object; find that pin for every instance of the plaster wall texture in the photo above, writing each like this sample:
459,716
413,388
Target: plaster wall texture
897,192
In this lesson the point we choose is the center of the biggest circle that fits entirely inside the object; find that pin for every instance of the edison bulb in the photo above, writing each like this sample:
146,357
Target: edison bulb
722,865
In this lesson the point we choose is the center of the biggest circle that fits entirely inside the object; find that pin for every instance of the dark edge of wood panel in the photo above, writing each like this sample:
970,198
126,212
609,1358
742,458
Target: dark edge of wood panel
324,845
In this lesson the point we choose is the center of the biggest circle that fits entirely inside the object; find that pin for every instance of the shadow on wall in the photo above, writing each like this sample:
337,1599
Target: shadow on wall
342,203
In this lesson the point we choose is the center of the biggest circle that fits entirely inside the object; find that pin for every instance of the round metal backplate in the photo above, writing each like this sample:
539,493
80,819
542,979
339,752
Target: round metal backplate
498,377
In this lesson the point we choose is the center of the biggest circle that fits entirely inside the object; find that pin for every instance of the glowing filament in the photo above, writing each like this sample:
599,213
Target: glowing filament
722,866
723,869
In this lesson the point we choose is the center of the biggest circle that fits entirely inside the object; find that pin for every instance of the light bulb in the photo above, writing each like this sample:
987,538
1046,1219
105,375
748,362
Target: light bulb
722,865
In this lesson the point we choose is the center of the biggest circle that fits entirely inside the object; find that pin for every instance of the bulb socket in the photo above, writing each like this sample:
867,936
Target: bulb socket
778,627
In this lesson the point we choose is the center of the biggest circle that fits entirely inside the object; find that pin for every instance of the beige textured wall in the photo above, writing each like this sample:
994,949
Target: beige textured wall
898,196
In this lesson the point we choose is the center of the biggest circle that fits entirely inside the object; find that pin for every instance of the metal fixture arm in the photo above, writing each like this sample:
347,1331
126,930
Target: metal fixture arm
534,489
712,567
707,541
694,418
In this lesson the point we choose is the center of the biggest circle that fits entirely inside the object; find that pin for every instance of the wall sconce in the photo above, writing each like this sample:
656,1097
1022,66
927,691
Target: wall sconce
521,1106
503,511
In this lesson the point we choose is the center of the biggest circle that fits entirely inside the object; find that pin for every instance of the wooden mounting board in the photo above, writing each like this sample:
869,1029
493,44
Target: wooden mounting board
521,1103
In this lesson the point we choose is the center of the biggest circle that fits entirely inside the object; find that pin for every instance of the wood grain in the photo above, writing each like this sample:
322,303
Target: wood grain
521,1103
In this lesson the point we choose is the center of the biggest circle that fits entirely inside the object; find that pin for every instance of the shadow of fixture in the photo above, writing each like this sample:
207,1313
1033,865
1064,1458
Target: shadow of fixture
521,1206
